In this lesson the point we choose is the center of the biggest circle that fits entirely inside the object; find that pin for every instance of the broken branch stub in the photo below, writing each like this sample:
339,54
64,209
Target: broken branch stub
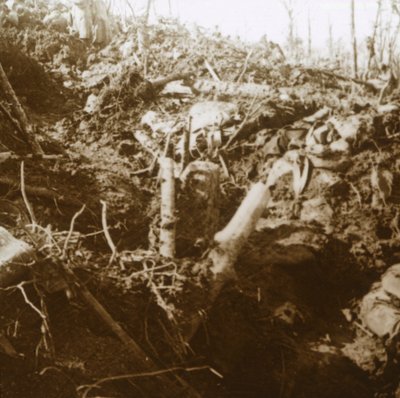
232,238
168,220
229,244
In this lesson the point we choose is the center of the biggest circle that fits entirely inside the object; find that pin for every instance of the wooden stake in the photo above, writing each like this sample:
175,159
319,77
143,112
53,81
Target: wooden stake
186,144
168,220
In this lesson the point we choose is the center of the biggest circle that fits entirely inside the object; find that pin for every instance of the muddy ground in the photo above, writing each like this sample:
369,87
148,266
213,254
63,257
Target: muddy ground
289,325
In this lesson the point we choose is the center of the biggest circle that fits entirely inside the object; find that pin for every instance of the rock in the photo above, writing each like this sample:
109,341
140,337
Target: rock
213,114
378,313
391,280
6,347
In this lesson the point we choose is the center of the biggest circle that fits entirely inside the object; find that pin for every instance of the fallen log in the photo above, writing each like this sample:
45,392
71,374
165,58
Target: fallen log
45,193
273,117
231,89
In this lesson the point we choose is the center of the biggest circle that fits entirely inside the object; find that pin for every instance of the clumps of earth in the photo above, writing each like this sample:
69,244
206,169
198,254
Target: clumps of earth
315,307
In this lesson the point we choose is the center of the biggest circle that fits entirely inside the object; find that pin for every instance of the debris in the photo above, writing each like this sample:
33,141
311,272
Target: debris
379,315
213,114
15,258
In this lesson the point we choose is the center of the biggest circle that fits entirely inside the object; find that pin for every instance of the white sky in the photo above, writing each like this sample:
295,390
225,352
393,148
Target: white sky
253,18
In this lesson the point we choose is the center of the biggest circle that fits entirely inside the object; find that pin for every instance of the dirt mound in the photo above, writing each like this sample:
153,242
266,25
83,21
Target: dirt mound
29,79
289,324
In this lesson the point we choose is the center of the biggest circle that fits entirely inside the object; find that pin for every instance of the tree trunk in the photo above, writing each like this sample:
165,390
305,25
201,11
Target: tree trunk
25,128
354,40
309,36
330,40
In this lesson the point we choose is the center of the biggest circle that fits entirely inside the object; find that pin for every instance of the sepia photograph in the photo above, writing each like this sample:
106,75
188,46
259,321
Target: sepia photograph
199,199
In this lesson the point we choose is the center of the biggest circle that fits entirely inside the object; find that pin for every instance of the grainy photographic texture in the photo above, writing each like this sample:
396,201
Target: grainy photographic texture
199,199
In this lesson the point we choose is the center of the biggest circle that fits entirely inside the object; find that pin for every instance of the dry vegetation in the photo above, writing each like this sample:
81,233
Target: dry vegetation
187,215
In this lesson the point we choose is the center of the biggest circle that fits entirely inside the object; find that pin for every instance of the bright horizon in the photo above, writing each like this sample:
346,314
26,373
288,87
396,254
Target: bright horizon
252,19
